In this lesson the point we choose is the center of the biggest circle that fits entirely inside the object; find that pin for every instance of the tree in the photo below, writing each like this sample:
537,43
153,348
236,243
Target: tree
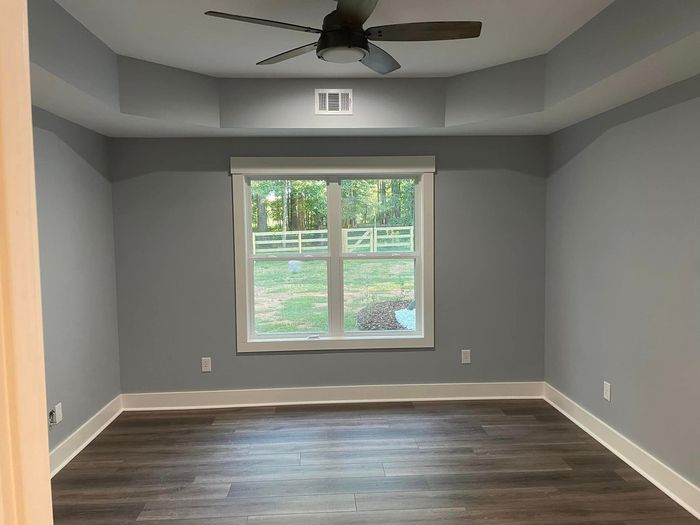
396,200
291,205
261,221
285,205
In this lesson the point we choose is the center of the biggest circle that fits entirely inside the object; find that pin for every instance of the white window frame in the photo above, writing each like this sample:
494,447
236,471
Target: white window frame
245,169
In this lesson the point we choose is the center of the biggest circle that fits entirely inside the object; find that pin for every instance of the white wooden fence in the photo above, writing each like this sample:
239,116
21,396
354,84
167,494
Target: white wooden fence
355,240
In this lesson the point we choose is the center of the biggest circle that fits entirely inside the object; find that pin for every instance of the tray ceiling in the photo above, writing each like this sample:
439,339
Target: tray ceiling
176,33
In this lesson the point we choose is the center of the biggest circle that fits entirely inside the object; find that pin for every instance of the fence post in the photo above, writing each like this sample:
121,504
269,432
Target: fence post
299,240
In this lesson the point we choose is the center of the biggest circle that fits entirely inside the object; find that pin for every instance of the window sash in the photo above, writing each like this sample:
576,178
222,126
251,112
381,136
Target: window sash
337,329
336,337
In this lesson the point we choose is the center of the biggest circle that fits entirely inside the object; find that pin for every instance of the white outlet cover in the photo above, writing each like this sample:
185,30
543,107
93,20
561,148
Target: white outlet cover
59,412
466,357
606,390
206,364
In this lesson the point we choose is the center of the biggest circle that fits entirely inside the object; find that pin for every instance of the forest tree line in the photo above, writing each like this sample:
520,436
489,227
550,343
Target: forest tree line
292,205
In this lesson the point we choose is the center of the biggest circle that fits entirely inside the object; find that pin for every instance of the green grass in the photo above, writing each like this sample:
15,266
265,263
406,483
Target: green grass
287,302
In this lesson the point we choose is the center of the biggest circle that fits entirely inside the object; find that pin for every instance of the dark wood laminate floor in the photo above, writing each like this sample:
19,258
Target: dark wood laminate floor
484,462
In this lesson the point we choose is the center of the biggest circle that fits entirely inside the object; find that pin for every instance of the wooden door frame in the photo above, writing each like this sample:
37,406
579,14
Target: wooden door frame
25,487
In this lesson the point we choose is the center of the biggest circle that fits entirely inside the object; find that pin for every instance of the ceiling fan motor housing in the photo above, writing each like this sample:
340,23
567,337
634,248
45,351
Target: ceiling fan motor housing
340,42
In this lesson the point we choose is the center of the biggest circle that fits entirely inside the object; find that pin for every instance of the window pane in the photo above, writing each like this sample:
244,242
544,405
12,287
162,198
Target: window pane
290,297
379,294
289,216
378,215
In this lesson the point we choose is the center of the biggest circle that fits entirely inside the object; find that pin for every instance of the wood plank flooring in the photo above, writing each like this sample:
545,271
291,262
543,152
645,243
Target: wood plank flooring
483,462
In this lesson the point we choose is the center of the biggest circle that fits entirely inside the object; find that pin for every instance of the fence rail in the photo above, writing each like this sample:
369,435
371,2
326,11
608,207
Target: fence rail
355,240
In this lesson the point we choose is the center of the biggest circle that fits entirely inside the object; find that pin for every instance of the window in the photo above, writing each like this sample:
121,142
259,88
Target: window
333,253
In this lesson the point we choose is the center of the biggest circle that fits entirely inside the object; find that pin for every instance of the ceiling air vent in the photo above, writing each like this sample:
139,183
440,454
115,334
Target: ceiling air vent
334,101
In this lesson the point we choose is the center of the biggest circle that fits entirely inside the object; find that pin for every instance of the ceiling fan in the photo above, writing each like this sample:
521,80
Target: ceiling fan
342,38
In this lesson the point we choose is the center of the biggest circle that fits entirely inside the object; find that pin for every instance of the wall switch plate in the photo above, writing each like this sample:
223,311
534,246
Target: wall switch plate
206,364
606,390
466,357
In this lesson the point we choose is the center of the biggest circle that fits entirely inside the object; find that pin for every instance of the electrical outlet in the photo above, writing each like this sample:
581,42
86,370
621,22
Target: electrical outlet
55,415
466,357
606,390
206,364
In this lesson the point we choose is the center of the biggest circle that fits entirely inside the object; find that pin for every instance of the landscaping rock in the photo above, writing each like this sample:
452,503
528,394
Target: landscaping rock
380,316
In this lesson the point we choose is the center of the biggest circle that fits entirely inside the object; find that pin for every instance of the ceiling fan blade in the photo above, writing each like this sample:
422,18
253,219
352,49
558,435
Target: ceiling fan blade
297,51
380,61
356,11
263,22
422,31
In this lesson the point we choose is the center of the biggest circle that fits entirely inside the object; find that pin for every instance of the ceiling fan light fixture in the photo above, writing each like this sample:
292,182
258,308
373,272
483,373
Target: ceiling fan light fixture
342,54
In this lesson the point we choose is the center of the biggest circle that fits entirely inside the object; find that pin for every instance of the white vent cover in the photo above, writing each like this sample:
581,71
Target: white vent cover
333,101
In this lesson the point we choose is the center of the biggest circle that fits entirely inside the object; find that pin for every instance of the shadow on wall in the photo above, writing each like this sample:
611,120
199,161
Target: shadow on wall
84,143
134,157
566,144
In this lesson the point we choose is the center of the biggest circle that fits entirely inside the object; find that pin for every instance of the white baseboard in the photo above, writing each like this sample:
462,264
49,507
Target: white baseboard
78,440
331,394
682,491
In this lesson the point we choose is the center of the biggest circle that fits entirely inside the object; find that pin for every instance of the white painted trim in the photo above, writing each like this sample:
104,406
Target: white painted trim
335,278
78,440
268,166
679,489
240,193
423,168
347,342
330,394
425,292
62,454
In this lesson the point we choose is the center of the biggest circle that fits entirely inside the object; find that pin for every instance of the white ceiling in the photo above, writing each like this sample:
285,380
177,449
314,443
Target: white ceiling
176,33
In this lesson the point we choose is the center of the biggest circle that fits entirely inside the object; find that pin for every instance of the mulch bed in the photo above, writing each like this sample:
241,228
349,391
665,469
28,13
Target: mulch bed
380,316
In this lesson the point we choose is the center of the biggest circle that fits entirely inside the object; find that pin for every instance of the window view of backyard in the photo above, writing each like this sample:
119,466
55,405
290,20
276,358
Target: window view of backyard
377,292
290,217
378,215
287,302
291,301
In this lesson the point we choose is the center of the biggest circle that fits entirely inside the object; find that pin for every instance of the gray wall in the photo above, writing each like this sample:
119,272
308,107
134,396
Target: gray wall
289,103
623,271
60,44
76,244
624,33
516,88
173,232
162,92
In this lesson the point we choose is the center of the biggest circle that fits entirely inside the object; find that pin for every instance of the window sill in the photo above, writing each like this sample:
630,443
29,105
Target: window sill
363,342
